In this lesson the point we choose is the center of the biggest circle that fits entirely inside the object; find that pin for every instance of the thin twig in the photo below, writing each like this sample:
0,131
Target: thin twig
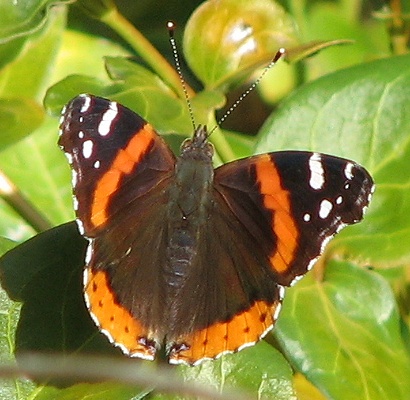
10,193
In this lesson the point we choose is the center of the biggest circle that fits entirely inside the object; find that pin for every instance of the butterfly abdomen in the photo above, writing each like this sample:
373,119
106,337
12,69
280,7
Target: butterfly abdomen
189,199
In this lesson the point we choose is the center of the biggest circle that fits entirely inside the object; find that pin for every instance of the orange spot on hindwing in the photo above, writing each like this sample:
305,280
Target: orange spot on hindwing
243,330
115,321
277,200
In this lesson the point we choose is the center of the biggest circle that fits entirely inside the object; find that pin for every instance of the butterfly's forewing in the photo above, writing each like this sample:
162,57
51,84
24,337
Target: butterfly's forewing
119,164
109,147
299,201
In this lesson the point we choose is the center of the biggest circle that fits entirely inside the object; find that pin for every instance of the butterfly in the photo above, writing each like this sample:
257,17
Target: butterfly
187,258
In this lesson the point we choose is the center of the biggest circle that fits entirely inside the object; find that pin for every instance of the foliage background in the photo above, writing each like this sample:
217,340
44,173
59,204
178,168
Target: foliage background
343,331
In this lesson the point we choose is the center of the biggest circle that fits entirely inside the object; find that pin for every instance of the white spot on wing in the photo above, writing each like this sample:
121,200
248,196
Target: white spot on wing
277,311
86,277
74,178
312,262
89,253
86,104
69,157
348,171
325,208
107,119
317,178
75,203
97,164
80,227
81,134
88,148
281,292
306,217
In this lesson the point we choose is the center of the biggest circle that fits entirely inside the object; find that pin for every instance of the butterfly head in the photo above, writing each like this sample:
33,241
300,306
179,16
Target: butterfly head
198,147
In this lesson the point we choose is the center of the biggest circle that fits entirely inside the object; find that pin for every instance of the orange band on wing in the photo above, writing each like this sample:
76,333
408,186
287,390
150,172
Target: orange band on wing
113,320
224,337
277,200
123,164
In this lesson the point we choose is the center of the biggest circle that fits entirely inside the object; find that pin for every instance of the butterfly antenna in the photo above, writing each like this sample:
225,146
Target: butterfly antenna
274,60
171,30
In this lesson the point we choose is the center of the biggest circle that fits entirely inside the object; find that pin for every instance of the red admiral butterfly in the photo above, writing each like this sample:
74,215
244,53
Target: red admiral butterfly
189,257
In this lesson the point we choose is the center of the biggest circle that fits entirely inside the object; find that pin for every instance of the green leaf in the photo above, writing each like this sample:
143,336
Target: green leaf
88,391
308,49
226,39
12,225
28,75
18,118
358,113
20,113
24,17
86,56
241,144
44,274
10,50
6,244
63,91
46,178
347,339
340,20
259,370
96,8
142,91
9,315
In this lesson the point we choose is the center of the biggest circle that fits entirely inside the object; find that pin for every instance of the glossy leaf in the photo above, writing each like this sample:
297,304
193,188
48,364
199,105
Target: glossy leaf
20,111
9,316
28,75
139,89
44,274
361,353
308,49
89,391
24,17
260,370
37,166
18,118
97,8
339,20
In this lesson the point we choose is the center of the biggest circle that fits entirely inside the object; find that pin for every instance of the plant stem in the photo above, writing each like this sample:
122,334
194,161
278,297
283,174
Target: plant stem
398,28
13,197
222,146
146,51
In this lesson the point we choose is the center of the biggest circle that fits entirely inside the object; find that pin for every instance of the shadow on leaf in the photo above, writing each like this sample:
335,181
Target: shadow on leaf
45,274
